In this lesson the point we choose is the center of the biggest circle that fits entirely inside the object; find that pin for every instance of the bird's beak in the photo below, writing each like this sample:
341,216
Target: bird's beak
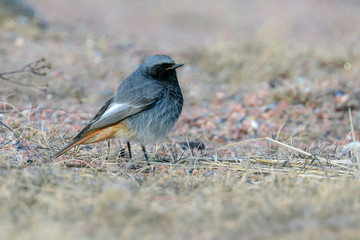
175,66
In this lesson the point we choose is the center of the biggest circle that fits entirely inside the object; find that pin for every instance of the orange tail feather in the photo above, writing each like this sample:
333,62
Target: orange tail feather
75,143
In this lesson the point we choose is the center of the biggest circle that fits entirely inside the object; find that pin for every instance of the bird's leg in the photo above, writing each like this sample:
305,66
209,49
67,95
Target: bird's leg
121,152
108,145
129,148
145,154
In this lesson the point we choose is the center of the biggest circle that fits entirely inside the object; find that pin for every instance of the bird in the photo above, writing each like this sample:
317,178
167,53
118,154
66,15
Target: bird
144,109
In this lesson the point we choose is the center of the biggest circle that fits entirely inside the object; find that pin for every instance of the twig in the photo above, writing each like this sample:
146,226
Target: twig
18,142
279,143
356,151
38,68
15,135
278,132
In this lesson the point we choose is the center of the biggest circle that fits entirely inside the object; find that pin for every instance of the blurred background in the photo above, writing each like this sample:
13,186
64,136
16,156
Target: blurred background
180,24
228,42
253,53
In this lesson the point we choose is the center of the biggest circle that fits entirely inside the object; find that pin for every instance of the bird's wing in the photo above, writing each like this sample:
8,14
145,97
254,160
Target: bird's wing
113,112
117,112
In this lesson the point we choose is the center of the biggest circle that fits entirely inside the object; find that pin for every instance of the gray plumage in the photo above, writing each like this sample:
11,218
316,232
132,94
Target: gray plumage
149,102
161,90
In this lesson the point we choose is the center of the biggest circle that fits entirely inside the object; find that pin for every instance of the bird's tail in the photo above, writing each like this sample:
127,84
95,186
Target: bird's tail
75,142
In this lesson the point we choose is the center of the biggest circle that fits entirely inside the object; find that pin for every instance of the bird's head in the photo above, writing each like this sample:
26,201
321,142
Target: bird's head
160,67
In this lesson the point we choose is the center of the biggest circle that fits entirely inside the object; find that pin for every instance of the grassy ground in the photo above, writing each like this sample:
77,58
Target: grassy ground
278,120
38,202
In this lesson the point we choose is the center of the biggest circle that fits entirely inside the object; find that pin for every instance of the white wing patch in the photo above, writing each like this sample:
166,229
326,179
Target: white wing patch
114,108
117,112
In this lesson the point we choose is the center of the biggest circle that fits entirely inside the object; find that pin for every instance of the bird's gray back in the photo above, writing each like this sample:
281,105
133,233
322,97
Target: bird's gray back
135,87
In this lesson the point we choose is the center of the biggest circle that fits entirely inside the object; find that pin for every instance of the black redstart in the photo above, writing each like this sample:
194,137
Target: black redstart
145,108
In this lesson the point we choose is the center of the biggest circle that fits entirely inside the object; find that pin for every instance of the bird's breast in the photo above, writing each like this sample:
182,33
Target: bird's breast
155,123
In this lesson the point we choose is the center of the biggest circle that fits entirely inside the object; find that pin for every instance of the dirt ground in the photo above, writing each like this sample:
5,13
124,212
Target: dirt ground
271,95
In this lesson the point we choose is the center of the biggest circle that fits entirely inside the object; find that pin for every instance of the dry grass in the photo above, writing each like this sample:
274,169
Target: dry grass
282,193
39,201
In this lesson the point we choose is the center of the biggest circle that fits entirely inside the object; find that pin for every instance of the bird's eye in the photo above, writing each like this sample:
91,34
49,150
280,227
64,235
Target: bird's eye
158,67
